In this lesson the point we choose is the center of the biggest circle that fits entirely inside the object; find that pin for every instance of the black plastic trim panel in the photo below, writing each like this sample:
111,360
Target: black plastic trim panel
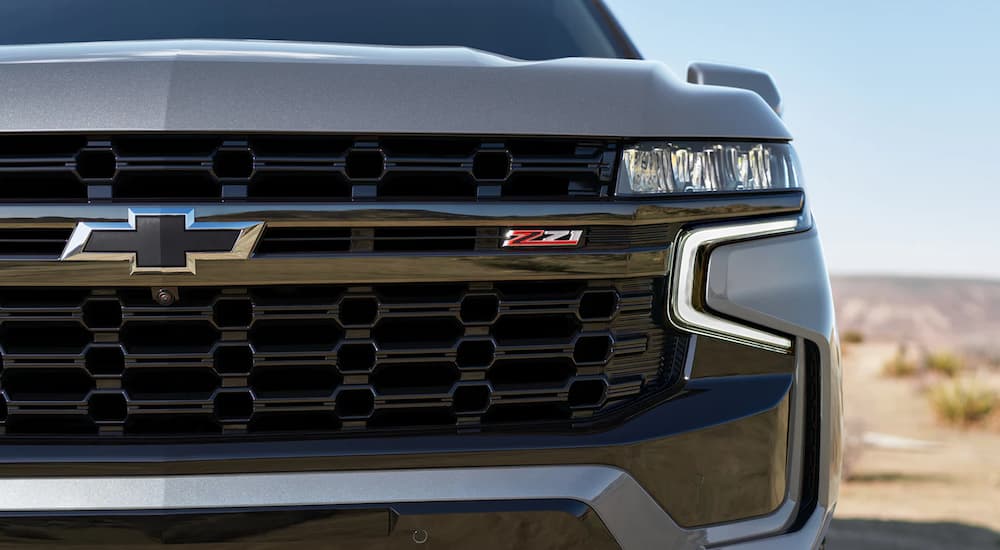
809,498
654,444
701,404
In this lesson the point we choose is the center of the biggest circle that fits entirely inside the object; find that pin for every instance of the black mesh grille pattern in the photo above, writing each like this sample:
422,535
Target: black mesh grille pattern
328,359
285,167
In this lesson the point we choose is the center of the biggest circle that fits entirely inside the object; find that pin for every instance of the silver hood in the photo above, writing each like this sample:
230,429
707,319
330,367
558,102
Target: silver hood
266,86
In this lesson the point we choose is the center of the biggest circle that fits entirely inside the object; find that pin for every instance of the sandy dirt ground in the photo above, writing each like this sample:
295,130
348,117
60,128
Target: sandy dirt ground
945,495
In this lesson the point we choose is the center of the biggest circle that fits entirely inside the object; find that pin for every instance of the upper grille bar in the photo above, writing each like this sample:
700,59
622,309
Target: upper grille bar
127,167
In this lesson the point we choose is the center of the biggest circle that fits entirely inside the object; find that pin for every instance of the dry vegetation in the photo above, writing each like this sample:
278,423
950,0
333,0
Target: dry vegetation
945,363
900,365
852,337
959,401
963,402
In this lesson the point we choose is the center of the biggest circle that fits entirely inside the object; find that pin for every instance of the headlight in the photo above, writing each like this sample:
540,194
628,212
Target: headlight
695,167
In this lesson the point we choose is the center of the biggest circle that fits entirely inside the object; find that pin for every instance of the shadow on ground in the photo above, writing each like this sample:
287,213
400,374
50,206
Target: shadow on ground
893,477
867,534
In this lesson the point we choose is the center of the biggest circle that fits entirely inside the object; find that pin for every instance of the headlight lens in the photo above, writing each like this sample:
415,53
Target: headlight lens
694,167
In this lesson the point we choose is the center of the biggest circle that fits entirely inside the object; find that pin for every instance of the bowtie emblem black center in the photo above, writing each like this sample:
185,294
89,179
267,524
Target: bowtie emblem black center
162,241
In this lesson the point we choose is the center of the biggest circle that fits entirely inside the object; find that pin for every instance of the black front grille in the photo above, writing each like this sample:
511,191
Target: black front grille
329,359
292,167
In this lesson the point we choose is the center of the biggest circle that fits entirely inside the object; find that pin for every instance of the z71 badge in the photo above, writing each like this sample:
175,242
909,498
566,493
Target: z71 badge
518,238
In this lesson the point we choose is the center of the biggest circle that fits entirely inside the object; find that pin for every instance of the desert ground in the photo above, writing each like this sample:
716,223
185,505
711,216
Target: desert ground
912,481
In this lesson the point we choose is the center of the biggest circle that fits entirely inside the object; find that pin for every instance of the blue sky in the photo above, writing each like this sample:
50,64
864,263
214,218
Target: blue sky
895,106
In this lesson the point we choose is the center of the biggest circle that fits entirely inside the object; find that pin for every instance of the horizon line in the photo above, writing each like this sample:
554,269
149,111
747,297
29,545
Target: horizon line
907,275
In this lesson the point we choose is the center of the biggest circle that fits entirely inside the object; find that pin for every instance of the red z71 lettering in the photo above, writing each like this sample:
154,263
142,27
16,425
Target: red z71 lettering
542,237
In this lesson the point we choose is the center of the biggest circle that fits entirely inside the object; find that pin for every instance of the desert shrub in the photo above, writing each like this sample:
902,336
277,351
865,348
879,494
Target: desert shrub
852,337
962,402
945,363
899,365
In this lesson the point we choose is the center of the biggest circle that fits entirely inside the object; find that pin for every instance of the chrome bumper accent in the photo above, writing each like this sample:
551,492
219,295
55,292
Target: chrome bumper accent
810,536
384,267
630,514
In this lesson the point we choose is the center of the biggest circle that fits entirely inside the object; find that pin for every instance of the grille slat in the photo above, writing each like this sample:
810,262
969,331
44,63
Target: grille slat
170,372
33,243
639,236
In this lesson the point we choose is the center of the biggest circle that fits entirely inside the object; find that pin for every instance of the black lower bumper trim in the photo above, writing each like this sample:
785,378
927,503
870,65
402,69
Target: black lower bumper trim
492,524
688,452
704,403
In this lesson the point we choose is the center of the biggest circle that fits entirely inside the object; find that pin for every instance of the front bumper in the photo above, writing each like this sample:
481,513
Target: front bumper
630,516
747,456
526,491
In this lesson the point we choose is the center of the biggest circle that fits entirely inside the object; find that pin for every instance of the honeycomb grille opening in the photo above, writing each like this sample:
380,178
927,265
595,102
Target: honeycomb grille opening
302,381
328,360
108,407
143,383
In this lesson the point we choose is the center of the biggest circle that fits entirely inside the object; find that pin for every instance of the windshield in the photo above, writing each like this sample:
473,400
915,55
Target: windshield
525,29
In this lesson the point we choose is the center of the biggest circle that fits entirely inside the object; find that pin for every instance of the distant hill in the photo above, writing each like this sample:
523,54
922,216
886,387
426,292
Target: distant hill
931,312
